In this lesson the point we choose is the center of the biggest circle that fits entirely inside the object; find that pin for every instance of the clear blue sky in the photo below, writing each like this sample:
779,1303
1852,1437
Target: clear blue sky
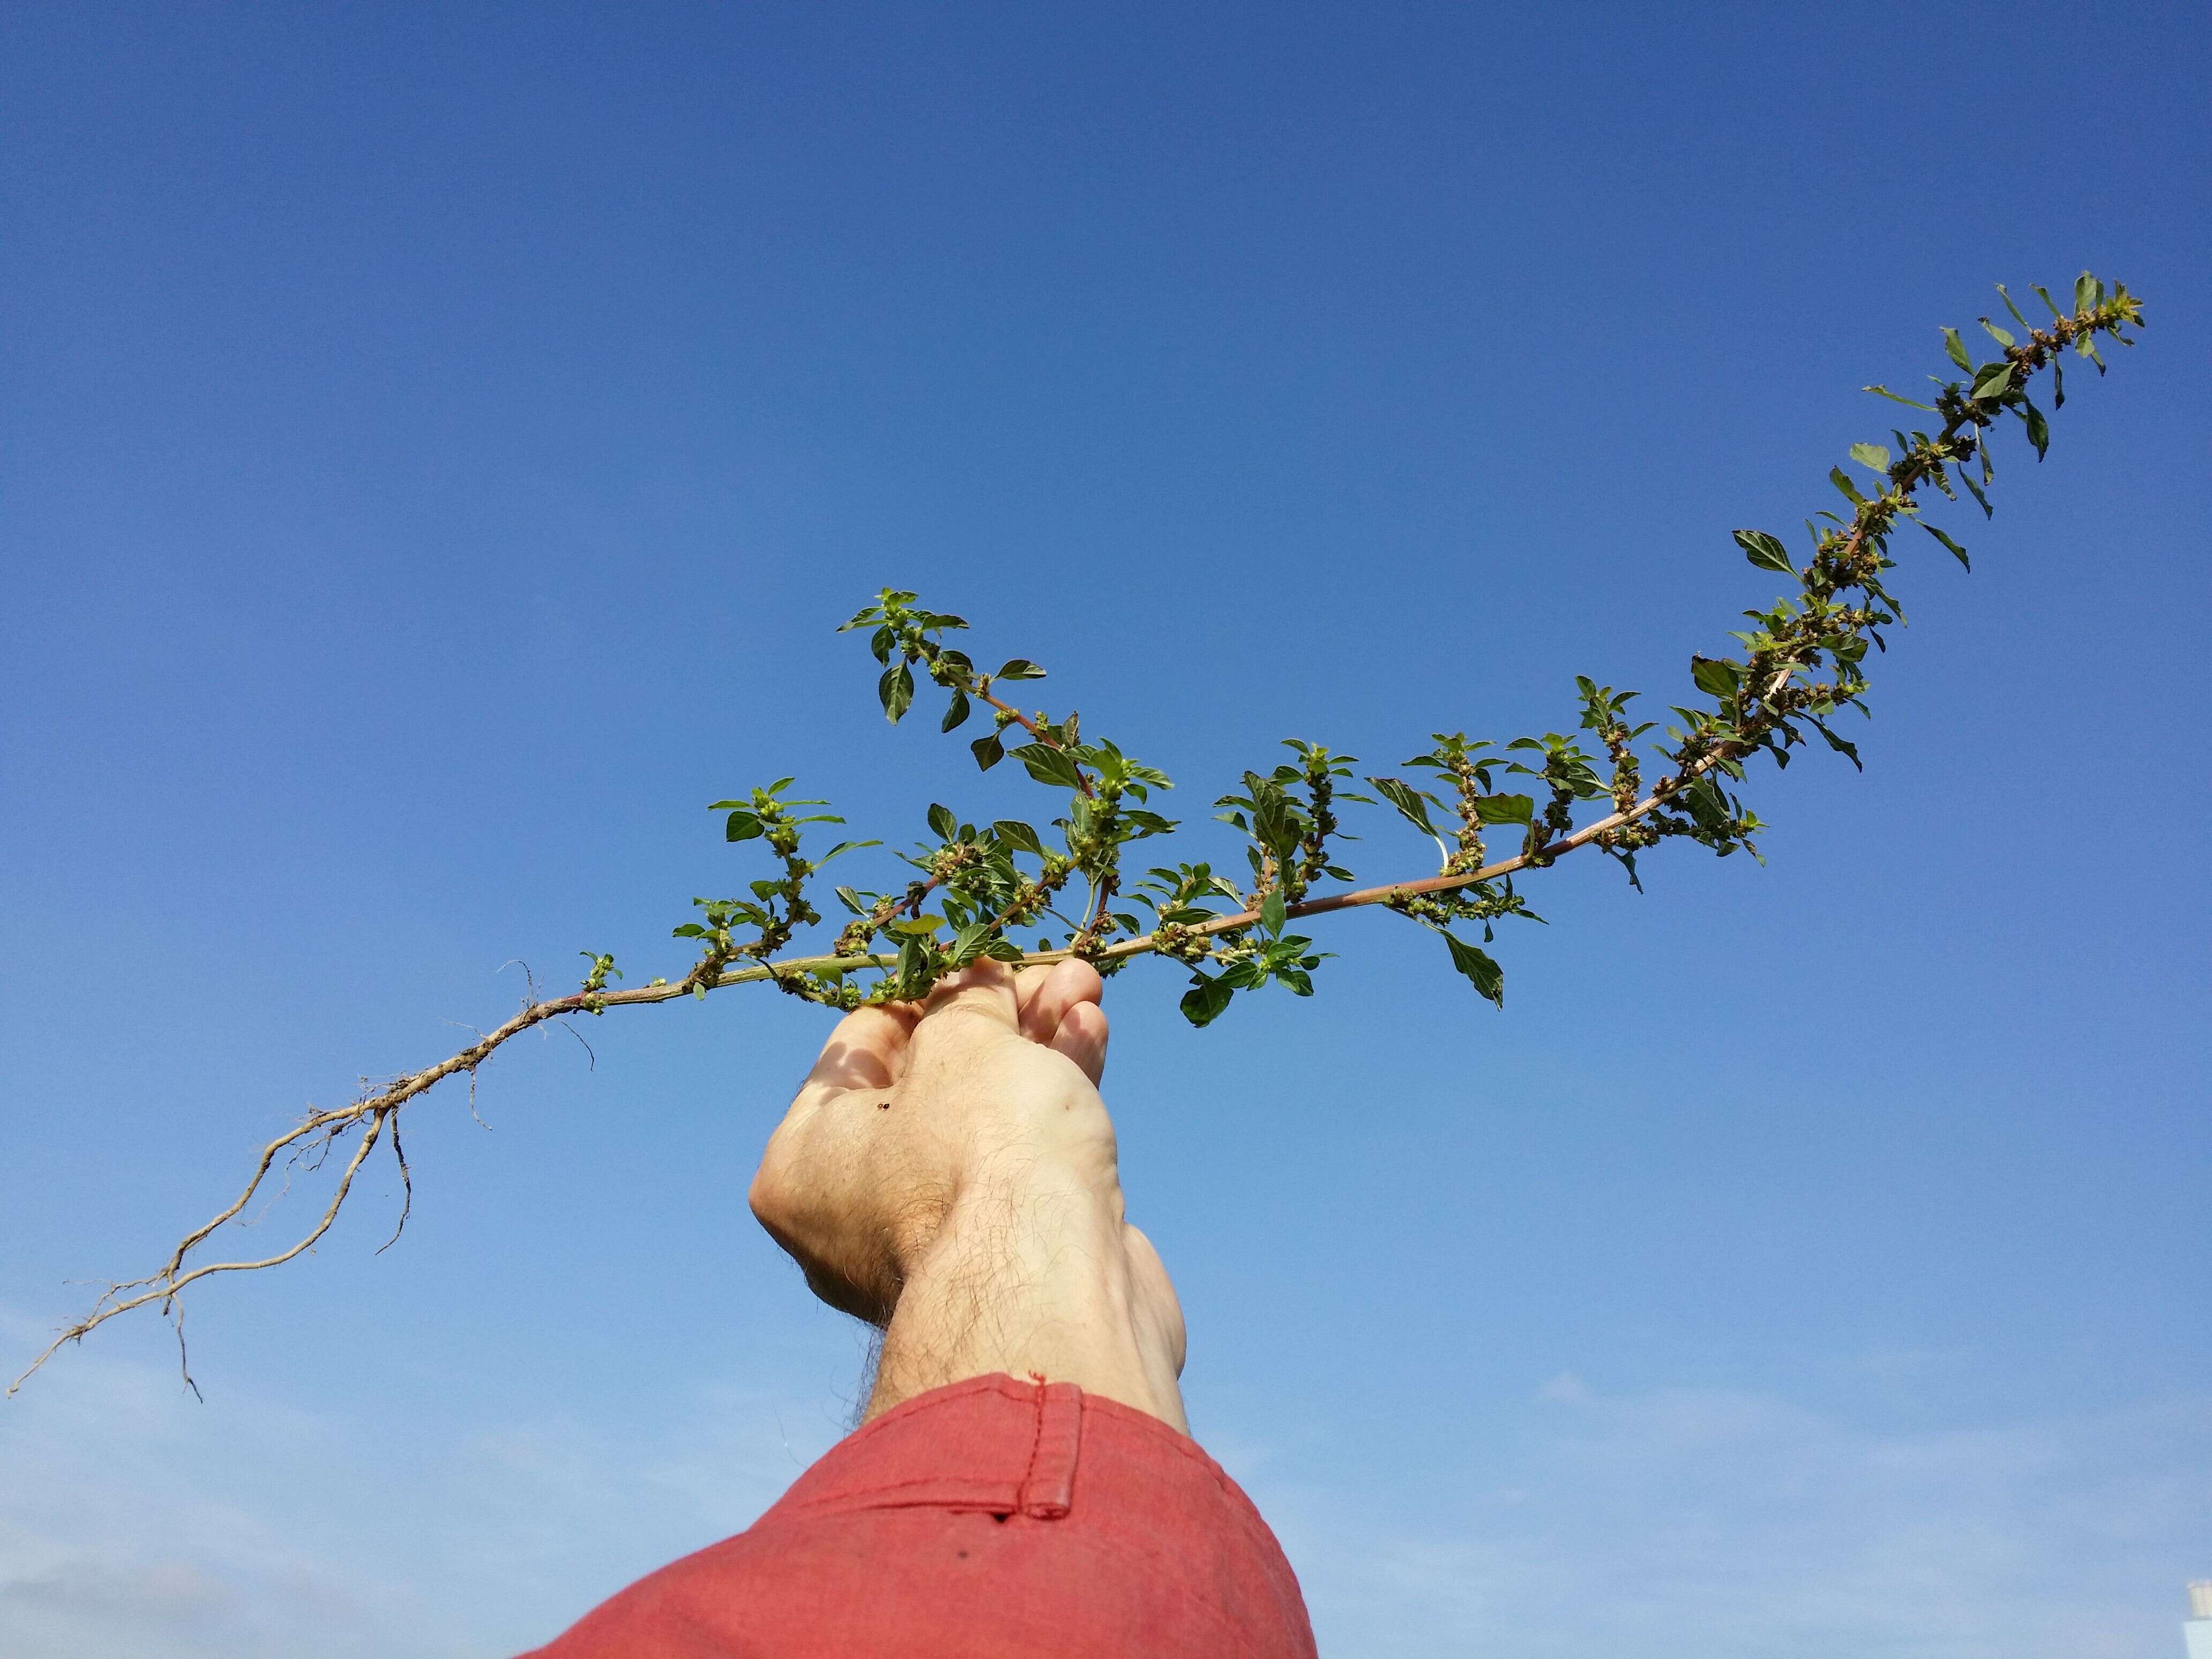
440,442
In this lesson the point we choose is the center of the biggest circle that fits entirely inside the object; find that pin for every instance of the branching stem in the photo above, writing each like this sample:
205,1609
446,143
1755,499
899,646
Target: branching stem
1757,700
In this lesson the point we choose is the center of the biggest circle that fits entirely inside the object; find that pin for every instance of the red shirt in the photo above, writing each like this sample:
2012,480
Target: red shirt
991,1519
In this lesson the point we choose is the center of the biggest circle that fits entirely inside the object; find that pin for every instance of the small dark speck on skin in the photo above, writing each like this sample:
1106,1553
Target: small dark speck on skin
964,1555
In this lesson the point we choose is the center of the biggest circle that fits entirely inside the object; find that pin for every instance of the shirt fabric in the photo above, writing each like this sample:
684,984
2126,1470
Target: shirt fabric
988,1519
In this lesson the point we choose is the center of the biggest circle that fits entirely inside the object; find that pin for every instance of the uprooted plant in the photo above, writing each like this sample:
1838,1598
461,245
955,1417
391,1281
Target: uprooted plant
975,891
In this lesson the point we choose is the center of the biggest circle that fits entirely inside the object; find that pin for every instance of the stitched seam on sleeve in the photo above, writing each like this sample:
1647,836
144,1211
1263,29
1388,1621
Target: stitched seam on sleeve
851,1492
1036,1440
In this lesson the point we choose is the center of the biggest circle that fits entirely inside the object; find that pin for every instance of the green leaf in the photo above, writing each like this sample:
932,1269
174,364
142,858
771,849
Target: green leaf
957,711
1992,383
1841,745
1271,912
1842,480
1017,834
2038,429
1955,348
1706,803
742,826
1884,392
1766,551
1019,668
688,930
912,964
1715,678
1958,552
1049,765
851,901
2085,291
1505,808
1483,974
2012,308
1874,456
988,751
1994,331
1412,806
942,824
895,690
1203,1003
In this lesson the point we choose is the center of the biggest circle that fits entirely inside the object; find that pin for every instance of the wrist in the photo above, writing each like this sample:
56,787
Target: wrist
1036,1276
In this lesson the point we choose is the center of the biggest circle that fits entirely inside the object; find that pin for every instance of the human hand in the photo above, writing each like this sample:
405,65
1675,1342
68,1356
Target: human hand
956,1156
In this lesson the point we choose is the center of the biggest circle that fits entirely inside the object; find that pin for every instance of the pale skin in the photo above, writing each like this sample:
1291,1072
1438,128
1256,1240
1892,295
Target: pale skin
948,1172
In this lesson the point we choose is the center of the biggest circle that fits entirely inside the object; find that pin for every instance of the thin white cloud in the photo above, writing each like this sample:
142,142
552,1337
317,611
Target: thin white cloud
135,1522
1715,1524
1674,1524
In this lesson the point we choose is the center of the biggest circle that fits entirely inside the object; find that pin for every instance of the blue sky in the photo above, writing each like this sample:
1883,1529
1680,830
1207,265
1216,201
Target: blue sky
441,441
